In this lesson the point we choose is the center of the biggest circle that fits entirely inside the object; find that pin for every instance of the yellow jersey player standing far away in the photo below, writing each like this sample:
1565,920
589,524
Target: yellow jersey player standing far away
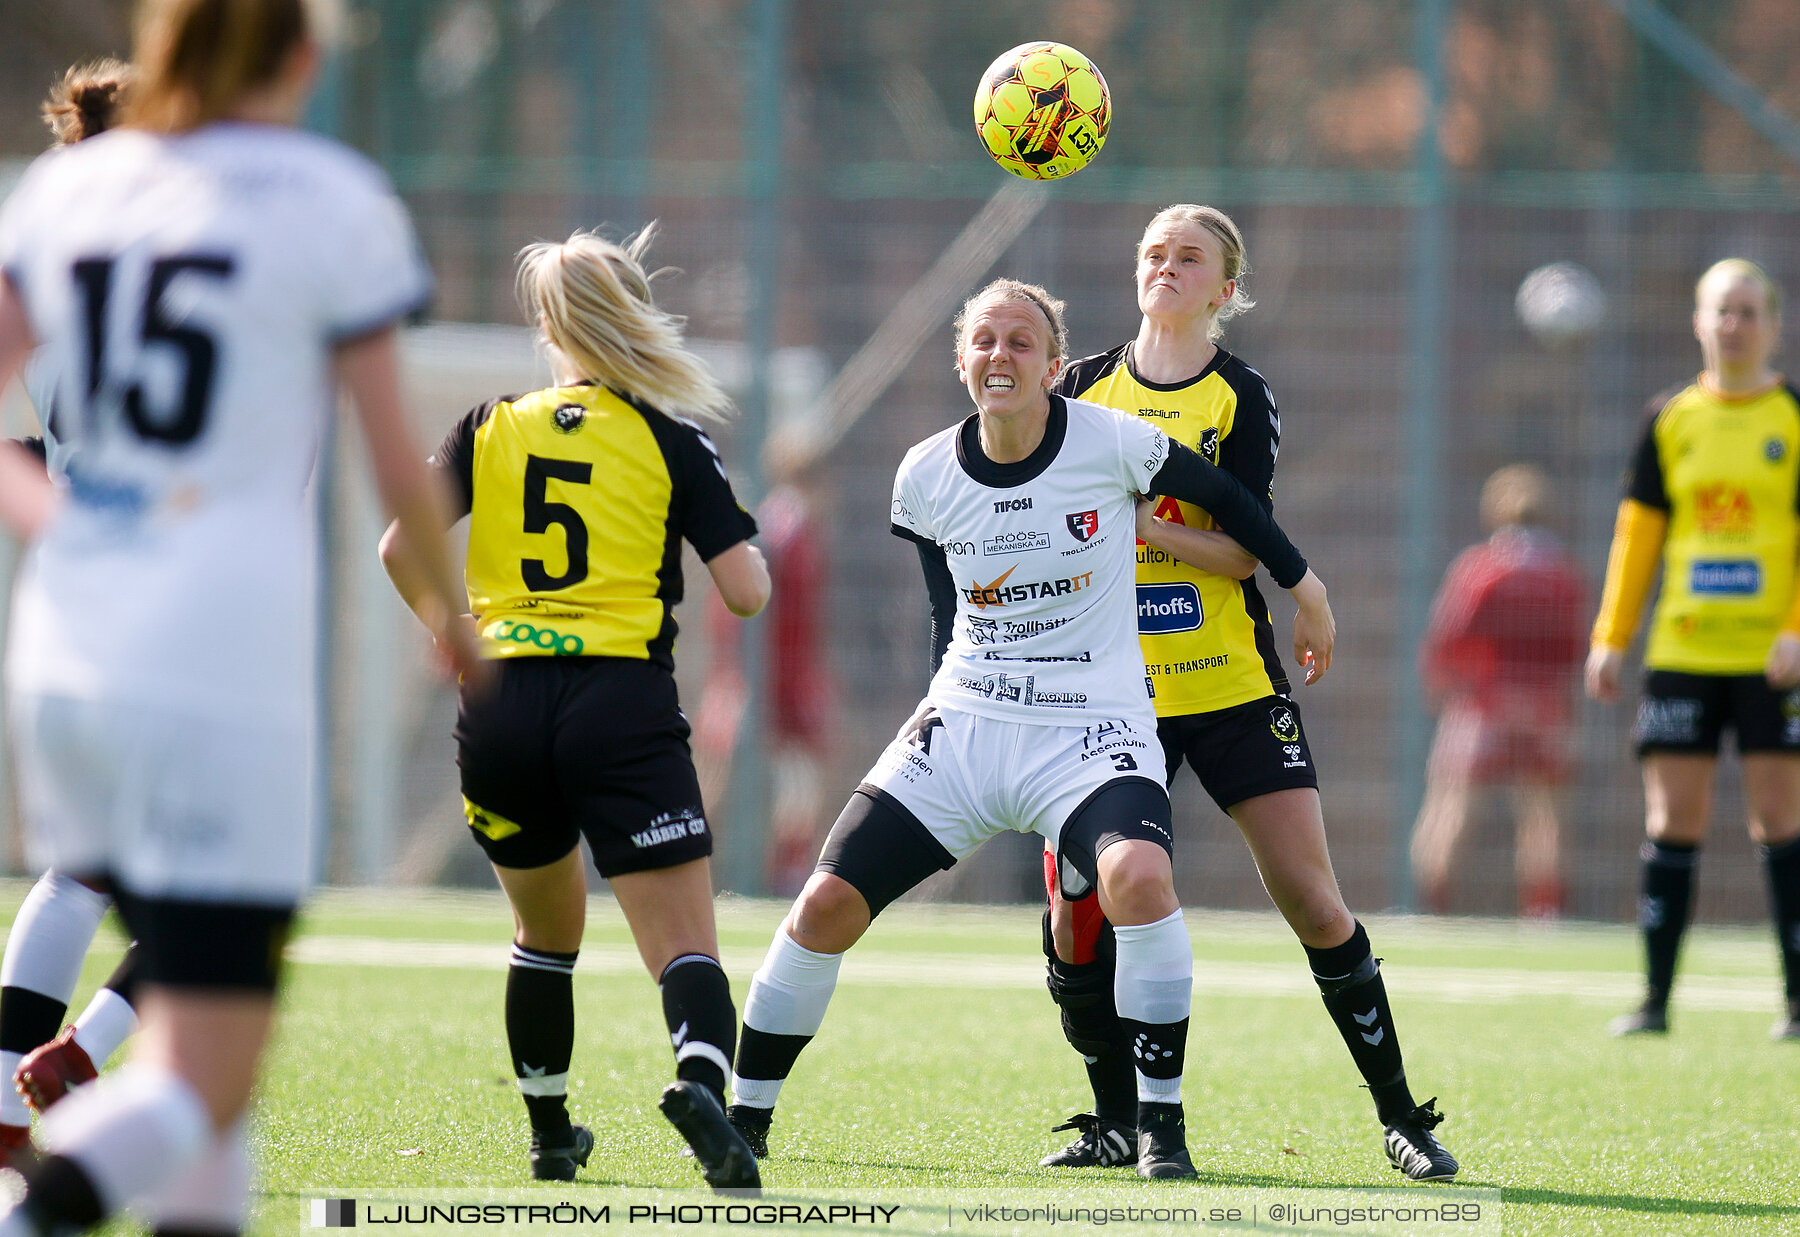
1713,499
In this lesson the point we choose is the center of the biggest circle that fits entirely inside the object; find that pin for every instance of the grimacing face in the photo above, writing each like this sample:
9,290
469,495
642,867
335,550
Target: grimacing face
1181,272
1004,356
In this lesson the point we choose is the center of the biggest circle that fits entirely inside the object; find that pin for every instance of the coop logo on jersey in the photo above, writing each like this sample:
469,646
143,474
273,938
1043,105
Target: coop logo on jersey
1209,444
1165,608
1083,524
1016,542
1000,593
1283,724
568,418
1725,578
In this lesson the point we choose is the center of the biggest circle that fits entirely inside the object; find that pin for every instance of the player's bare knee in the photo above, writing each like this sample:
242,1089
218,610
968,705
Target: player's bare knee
829,916
1138,883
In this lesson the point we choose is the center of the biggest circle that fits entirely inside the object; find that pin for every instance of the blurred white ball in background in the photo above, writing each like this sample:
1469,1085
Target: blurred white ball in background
1561,304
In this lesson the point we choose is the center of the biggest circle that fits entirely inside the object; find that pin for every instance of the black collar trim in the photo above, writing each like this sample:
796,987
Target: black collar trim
1220,356
975,462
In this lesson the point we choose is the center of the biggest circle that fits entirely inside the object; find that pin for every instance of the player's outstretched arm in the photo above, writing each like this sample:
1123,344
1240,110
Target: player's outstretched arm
1205,548
369,369
1188,476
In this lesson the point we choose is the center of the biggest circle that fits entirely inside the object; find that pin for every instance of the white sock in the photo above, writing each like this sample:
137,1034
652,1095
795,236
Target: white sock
215,1193
107,1022
13,1109
132,1132
50,937
1153,982
788,996
44,951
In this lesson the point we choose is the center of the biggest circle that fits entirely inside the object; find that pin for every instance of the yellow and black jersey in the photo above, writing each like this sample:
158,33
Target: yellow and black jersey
1725,472
579,499
1208,643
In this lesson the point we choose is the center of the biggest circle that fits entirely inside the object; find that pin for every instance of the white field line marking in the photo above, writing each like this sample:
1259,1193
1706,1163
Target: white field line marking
1458,985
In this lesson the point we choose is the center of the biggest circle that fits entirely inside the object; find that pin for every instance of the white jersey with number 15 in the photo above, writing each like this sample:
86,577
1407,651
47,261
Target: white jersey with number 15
187,292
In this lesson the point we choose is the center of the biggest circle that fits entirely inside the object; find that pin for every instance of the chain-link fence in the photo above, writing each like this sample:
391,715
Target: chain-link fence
1397,169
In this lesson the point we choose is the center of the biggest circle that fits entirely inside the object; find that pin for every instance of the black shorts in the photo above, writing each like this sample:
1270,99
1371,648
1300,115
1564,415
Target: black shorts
1683,712
1250,749
563,747
185,943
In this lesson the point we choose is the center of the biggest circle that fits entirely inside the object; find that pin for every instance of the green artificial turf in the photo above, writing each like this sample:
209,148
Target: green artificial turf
940,1066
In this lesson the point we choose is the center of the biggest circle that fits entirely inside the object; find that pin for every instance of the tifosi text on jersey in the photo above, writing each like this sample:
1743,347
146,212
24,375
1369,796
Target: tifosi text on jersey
1000,593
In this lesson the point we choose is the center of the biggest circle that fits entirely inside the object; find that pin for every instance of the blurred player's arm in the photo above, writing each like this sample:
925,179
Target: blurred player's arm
1205,548
26,495
742,578
1783,666
1631,564
369,370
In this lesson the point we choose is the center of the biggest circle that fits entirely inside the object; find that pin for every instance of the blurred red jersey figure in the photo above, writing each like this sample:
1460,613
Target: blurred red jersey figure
801,691
1501,661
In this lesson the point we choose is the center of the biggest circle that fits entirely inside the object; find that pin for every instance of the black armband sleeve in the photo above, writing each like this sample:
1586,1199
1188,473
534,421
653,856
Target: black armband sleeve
940,588
1185,475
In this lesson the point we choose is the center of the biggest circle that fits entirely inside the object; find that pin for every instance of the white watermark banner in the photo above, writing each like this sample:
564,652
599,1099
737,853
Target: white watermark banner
1122,1208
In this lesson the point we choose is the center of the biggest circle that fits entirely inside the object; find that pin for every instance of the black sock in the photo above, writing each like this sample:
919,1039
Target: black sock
765,1055
1158,1049
540,1032
1349,979
1663,911
1782,863
60,1195
696,999
1083,992
28,1019
124,978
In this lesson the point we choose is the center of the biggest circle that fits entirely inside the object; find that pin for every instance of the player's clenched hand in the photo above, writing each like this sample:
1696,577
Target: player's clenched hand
1315,630
1605,667
1783,667
458,649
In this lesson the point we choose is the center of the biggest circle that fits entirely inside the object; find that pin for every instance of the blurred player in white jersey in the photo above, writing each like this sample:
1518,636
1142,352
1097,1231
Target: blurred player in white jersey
200,282
1039,717
55,925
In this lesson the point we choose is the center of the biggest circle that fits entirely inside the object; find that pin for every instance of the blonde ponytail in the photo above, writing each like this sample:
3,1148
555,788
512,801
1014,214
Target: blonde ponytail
591,299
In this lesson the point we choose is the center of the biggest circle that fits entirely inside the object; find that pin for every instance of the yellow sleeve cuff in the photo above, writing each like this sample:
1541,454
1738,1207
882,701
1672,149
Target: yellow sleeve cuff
1631,565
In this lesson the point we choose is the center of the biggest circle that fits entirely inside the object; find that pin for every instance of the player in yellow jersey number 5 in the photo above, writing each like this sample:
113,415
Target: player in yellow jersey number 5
578,498
1713,499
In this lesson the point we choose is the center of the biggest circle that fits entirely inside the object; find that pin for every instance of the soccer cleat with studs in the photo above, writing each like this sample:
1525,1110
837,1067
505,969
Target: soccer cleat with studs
1162,1143
753,1124
725,1159
1415,1150
558,1161
1101,1144
50,1071
1647,1019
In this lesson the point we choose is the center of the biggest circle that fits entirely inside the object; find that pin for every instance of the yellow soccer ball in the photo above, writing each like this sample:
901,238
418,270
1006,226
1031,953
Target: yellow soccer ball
1042,110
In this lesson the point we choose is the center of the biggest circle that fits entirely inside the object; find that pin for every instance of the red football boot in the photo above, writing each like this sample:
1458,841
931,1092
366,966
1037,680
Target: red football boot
51,1070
